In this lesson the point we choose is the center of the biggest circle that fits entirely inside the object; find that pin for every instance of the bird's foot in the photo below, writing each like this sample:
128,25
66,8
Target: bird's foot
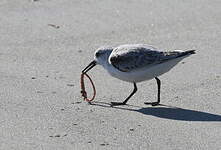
117,103
153,103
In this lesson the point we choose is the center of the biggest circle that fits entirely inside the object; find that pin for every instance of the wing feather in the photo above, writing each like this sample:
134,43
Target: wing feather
131,57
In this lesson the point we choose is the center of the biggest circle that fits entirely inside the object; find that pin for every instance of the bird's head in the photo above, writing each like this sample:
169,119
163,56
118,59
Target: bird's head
101,56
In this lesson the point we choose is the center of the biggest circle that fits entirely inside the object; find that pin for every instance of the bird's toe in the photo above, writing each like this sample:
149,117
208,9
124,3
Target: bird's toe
155,103
152,103
117,103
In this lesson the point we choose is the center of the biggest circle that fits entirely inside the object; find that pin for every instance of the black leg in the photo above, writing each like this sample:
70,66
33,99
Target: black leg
124,102
158,94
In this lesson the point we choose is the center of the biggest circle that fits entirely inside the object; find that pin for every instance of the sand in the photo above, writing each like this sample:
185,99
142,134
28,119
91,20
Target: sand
46,43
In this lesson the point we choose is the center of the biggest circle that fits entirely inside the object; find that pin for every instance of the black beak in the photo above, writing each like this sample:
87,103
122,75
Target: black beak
89,67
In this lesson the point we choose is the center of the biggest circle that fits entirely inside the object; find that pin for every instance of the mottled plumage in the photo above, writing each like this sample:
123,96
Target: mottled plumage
127,58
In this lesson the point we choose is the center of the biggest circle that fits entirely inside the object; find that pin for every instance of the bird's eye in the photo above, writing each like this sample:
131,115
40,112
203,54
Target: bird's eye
97,54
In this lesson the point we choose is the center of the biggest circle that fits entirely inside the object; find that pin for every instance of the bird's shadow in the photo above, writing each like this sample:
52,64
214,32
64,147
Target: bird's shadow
167,112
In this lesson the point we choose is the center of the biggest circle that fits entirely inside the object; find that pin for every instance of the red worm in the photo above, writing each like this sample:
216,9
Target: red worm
83,91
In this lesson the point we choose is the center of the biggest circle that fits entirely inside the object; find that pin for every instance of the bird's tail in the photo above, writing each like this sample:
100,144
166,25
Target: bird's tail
186,53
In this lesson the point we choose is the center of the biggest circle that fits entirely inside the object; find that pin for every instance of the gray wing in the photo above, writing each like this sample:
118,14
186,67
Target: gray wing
131,57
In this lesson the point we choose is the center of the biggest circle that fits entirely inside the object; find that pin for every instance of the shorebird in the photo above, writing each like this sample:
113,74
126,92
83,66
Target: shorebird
136,63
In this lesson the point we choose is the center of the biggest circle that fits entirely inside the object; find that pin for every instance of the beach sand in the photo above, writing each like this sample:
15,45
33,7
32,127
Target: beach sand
46,43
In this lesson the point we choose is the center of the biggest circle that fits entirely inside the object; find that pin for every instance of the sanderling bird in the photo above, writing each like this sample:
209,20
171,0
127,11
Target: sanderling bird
135,63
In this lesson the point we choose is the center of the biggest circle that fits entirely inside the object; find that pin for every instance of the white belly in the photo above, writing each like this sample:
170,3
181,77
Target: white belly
144,73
